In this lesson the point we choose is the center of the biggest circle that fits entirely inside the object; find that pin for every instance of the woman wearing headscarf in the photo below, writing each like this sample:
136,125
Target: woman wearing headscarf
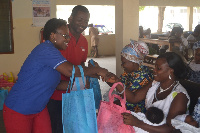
135,75
195,65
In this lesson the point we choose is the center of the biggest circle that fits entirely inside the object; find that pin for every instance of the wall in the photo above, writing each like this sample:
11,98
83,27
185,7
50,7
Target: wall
106,45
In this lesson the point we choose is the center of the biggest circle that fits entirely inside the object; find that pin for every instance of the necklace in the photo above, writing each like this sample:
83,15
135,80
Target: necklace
163,90
177,83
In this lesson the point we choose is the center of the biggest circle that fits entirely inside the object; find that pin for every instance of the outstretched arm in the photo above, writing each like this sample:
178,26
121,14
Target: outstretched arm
66,69
131,97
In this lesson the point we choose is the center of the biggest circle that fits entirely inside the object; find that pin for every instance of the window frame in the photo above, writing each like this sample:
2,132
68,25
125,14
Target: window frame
10,31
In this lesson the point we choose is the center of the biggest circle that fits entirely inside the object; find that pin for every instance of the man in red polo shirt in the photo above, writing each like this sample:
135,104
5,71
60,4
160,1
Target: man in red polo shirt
76,53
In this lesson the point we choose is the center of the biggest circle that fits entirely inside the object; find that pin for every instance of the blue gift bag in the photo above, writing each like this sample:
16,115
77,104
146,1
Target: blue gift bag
3,94
94,84
78,108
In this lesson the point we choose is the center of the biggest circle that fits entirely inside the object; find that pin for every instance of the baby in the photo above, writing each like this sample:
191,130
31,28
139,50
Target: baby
154,115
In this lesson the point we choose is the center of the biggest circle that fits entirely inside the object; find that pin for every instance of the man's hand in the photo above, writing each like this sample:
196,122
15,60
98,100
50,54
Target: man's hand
95,64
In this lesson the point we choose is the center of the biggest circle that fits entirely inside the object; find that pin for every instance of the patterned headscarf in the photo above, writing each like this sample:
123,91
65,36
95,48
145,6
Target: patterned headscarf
135,51
196,45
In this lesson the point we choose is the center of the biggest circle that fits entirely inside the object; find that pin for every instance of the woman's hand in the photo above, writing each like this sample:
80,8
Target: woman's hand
112,78
103,73
129,119
95,65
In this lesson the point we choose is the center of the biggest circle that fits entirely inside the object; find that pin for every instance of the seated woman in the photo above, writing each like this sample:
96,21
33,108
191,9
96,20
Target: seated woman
165,93
179,42
135,74
195,65
195,36
176,38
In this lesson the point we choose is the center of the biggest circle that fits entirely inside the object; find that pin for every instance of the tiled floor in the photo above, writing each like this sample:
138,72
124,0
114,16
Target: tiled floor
108,62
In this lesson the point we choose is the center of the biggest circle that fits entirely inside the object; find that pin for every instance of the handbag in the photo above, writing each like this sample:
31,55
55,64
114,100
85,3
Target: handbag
78,108
3,95
109,119
94,84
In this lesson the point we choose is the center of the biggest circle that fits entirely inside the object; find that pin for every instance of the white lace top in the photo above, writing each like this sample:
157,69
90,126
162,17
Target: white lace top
165,103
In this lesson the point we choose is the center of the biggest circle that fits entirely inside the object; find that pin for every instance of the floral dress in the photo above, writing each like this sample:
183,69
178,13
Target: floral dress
196,113
135,81
194,72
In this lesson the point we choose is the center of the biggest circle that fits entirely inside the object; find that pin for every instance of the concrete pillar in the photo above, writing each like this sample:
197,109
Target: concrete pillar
126,26
189,18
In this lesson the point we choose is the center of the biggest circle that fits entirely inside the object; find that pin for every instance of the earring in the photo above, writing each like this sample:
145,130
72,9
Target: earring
170,77
55,40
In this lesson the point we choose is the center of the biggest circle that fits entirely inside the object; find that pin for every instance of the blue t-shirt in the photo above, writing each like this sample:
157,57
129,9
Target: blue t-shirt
37,80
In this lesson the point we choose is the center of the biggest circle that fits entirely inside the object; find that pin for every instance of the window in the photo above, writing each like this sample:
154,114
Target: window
183,10
198,10
6,27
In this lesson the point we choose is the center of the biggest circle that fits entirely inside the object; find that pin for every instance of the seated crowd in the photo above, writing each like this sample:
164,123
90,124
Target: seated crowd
179,40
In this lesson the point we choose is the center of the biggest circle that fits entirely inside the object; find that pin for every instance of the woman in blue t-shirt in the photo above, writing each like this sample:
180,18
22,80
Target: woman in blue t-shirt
25,108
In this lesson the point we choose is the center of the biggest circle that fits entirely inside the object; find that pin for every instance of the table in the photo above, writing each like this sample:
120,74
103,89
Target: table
156,41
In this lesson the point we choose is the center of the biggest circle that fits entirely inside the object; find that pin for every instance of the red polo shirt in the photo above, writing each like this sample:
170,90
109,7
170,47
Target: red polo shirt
76,53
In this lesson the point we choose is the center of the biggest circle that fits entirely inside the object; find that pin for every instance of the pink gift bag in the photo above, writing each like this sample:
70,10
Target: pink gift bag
109,119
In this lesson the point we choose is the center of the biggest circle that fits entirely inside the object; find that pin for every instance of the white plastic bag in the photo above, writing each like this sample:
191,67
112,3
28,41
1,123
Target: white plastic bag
82,86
